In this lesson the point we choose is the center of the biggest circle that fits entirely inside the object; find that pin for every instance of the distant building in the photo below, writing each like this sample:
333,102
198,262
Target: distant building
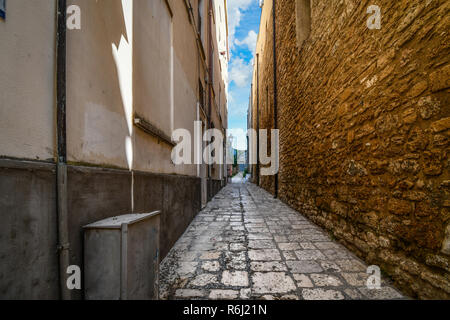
240,160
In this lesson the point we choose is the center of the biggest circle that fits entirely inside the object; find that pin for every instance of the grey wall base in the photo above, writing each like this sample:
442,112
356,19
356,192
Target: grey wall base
28,232
178,198
214,186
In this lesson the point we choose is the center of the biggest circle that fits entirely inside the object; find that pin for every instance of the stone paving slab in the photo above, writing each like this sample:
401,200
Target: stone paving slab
247,245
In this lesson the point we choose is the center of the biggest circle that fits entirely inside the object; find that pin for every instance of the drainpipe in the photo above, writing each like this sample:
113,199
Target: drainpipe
257,119
250,126
210,82
210,66
61,162
275,91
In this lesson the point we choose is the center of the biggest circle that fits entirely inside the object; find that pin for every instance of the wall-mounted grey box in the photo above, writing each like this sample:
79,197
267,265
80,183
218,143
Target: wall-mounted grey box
121,258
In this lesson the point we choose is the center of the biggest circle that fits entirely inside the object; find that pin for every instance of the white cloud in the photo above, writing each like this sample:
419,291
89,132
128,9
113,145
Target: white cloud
235,8
241,72
249,41
239,138
239,111
230,97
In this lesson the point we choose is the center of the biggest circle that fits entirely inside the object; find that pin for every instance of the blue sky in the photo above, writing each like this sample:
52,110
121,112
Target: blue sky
243,21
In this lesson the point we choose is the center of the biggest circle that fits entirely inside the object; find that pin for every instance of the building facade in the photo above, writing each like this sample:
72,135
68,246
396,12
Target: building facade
86,122
362,105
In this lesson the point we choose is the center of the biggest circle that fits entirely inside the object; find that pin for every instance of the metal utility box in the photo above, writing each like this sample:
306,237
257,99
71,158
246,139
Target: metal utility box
121,258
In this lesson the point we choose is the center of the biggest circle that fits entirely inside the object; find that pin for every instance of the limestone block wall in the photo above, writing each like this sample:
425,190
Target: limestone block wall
364,122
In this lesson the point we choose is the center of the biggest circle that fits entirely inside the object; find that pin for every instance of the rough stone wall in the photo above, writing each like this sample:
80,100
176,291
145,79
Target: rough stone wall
266,102
264,89
364,122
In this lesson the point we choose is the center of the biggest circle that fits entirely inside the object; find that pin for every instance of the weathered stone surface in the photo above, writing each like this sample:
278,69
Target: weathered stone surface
364,127
272,282
203,279
224,294
303,281
289,255
289,246
329,266
325,280
356,279
268,266
446,242
189,293
440,79
187,267
441,125
303,266
261,244
210,255
385,293
235,278
275,274
322,294
351,265
309,255
428,107
399,207
264,255
211,266
237,247
245,293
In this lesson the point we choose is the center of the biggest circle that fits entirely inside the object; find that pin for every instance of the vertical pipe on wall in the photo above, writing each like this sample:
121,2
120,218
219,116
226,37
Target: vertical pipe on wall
61,80
172,77
61,174
275,91
250,126
257,119
210,82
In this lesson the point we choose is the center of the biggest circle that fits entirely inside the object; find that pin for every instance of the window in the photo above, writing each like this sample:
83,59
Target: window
2,9
303,20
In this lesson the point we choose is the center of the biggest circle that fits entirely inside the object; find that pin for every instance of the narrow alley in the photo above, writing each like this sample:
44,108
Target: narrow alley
225,150
247,245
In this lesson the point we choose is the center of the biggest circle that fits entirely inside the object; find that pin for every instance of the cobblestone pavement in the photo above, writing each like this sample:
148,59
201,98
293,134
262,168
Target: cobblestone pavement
247,245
